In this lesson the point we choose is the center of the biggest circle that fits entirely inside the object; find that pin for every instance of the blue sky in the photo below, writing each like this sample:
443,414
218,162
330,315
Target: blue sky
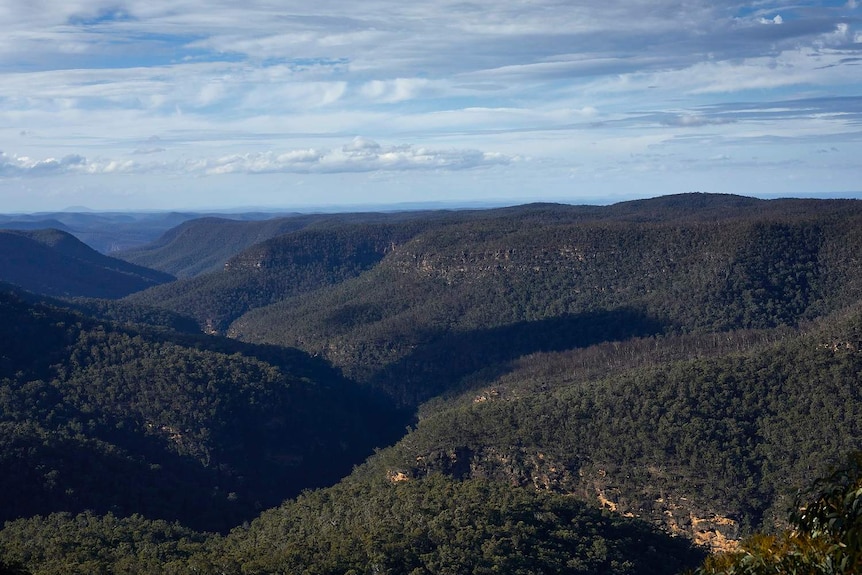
192,104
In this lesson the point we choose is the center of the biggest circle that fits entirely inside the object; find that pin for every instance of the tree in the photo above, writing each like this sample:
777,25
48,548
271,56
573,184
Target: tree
825,537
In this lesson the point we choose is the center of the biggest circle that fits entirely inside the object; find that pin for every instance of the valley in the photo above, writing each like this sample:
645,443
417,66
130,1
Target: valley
530,389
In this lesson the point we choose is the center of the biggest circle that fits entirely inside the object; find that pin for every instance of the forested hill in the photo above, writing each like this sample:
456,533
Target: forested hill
413,305
111,232
111,310
712,435
454,299
203,430
290,264
708,435
105,232
205,244
55,263
593,388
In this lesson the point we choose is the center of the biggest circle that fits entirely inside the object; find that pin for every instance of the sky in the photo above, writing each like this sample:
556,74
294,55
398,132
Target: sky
194,104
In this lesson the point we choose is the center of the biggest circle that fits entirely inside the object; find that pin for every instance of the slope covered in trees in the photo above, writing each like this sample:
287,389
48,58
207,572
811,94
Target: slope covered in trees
55,263
273,270
112,232
440,525
112,310
204,430
433,526
712,442
105,232
687,363
447,301
205,244
824,538
713,438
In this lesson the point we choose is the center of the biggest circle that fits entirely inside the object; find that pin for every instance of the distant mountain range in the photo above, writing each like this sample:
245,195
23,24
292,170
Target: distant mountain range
109,232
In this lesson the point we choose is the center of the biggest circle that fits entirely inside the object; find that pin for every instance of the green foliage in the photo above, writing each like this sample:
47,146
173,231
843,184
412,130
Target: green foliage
825,536
437,525
205,430
271,271
733,434
682,363
832,515
123,312
525,271
773,278
55,263
86,544
205,244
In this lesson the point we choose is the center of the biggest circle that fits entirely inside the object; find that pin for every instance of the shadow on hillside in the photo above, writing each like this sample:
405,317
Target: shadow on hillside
439,365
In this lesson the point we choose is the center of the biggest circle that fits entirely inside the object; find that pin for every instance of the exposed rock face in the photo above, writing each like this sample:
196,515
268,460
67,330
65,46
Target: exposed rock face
716,532
397,476
679,515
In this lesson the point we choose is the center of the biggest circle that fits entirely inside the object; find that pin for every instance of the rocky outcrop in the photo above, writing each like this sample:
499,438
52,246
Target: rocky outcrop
677,514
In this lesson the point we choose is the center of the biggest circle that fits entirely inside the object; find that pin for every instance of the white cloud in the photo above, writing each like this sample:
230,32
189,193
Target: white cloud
776,20
391,91
360,146
692,119
17,166
359,155
279,87
839,36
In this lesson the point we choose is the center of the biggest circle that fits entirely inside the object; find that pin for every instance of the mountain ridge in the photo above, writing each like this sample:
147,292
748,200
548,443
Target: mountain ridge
593,389
55,263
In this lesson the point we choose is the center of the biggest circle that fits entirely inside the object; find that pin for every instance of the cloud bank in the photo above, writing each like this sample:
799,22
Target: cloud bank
359,155
569,90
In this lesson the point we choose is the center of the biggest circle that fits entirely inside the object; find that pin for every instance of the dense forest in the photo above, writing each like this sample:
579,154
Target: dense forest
534,389
55,263
102,417
204,244
484,288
